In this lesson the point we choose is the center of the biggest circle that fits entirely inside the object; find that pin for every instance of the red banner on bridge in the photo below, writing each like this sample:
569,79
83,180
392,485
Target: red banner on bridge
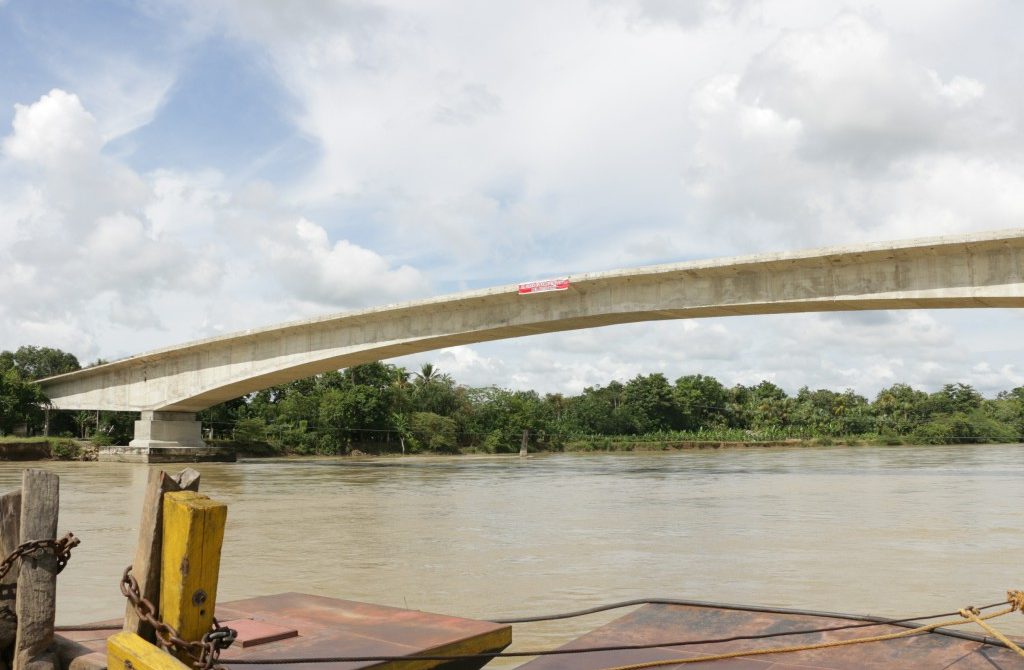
544,285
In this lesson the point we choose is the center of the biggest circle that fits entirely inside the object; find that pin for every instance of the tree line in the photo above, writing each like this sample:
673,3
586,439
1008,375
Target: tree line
381,407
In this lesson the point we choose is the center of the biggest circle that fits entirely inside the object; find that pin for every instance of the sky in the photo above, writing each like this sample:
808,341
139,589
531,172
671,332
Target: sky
174,170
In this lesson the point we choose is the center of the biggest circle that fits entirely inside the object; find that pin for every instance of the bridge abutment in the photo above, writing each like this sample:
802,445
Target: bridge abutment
167,437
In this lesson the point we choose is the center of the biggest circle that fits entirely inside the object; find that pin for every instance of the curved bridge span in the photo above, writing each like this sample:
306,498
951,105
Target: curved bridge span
977,270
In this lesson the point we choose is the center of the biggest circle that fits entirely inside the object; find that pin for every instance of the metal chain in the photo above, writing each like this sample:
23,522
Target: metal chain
61,549
205,653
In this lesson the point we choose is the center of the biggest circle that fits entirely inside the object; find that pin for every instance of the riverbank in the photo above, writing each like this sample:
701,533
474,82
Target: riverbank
46,448
599,445
622,444
68,449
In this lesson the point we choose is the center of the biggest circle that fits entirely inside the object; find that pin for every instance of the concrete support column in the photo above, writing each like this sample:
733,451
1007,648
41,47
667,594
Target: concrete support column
167,437
168,430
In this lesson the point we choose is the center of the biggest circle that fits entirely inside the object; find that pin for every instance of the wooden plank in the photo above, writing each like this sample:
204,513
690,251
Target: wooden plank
128,651
37,583
10,537
192,536
146,565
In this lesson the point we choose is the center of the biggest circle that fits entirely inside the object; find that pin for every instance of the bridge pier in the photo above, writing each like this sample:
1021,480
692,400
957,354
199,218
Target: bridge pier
168,430
167,437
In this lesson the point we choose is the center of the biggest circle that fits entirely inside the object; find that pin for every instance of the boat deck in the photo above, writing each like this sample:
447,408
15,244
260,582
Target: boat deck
296,625
673,623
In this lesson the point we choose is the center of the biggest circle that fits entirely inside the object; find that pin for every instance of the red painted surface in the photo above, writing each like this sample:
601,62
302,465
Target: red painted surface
252,632
544,285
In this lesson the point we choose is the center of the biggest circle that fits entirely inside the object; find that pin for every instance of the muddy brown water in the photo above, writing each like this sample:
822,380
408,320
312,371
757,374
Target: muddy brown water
881,530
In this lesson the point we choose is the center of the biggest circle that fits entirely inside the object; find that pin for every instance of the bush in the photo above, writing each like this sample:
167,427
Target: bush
435,432
250,430
330,444
959,428
65,450
493,442
292,439
101,439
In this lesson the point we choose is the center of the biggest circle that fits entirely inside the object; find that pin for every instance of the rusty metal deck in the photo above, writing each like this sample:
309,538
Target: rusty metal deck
328,627
671,623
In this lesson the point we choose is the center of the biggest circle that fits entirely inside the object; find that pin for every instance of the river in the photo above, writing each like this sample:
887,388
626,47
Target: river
881,530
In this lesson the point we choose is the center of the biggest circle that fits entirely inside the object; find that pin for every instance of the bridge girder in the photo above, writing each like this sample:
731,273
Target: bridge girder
977,270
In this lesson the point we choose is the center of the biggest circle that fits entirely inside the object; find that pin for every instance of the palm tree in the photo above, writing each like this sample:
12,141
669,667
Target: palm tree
428,374
401,377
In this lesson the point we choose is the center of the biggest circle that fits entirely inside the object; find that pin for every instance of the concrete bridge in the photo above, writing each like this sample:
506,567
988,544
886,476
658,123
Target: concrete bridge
169,385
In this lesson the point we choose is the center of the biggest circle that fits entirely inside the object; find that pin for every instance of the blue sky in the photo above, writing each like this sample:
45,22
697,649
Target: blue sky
171,170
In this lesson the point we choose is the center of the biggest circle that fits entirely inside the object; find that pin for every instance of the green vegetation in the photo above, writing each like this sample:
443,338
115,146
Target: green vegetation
383,408
22,402
65,450
14,439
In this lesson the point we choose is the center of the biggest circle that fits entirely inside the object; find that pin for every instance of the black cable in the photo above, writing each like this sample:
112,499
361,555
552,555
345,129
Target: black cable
722,606
909,622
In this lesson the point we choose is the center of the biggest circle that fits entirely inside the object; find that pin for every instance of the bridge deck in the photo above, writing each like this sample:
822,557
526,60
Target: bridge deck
983,270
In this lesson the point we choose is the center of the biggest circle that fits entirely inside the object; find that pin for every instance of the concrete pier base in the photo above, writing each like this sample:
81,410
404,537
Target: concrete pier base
168,429
132,454
166,437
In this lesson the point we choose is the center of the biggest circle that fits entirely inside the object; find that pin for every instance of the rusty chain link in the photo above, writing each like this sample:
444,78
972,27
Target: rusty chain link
61,549
205,653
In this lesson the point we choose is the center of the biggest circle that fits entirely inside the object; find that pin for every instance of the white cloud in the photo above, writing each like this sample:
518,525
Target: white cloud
89,243
55,132
461,145
685,14
460,136
122,92
959,90
466,104
340,273
836,133
857,97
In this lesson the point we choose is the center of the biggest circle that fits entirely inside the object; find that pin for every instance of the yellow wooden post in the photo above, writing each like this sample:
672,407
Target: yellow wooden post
128,651
190,562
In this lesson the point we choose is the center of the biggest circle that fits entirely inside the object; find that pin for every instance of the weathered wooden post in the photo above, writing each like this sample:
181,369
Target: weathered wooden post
10,537
146,566
37,583
523,445
193,532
